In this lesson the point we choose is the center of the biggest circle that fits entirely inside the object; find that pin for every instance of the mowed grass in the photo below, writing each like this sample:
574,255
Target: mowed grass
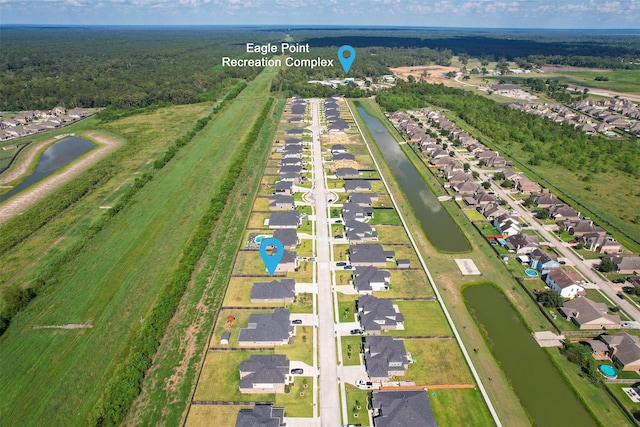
298,402
422,318
459,407
436,362
113,282
220,377
214,415
357,398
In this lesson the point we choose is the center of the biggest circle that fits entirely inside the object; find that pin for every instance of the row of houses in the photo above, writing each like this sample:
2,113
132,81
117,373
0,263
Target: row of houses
31,122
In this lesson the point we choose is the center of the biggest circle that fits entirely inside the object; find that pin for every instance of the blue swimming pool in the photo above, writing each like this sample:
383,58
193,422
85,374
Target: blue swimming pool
608,371
531,272
259,238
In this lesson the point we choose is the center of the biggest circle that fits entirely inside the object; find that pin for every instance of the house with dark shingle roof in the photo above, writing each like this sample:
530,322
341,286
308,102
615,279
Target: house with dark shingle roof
357,231
404,408
274,291
369,255
542,261
288,263
625,264
384,357
352,185
295,132
589,314
267,329
366,280
522,243
567,283
355,212
281,202
363,199
261,415
337,149
287,236
343,156
284,187
264,373
284,219
291,161
624,349
343,173
339,126
378,315
290,169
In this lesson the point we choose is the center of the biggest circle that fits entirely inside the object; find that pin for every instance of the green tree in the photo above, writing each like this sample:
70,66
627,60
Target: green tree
486,185
607,266
550,298
507,183
542,214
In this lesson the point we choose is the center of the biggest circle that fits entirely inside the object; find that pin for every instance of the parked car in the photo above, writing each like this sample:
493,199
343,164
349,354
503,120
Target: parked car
338,236
364,384
348,267
627,288
619,280
296,322
356,332
338,221
297,371
621,296
340,264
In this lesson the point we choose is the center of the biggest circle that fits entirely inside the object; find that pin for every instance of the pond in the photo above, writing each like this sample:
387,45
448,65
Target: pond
437,224
541,388
55,157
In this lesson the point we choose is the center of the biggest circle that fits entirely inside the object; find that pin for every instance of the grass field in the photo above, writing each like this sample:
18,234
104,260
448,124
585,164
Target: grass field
301,348
357,398
436,361
133,255
422,318
354,344
463,407
299,401
213,415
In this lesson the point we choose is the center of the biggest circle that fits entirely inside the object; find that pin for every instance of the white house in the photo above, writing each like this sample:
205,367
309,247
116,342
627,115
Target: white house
567,283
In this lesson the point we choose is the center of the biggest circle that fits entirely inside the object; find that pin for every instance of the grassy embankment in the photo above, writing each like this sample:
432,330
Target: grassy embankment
507,404
450,282
115,280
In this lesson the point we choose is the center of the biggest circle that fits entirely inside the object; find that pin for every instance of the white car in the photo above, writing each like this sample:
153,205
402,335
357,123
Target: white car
364,384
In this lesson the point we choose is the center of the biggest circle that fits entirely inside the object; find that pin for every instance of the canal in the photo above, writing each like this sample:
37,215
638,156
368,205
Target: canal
542,390
437,224
55,157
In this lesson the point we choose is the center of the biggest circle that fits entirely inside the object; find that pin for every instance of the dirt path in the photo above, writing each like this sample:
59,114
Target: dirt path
17,204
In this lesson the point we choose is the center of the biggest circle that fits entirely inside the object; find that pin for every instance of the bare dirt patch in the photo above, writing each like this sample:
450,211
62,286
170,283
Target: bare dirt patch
17,204
428,73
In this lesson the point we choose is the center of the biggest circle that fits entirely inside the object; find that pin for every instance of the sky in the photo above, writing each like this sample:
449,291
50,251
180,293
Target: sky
585,14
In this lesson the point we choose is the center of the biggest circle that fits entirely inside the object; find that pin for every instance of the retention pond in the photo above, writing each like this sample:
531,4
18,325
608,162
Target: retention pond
436,223
55,157
541,388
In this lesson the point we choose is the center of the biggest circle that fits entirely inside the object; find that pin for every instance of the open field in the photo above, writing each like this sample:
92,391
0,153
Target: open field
422,318
436,361
135,252
461,406
216,415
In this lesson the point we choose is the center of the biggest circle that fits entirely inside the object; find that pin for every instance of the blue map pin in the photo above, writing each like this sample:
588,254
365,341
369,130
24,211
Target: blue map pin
346,62
271,261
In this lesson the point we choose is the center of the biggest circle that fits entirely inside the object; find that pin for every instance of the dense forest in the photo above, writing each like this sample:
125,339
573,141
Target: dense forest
548,141
125,68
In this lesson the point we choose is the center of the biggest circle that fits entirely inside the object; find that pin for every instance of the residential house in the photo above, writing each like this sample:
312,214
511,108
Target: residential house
526,186
363,199
290,169
287,236
264,373
563,212
479,198
343,173
352,185
567,283
292,177
377,315
338,126
295,132
357,231
507,225
626,264
588,314
623,349
384,357
274,291
402,408
266,329
281,202
471,187
363,255
261,415
522,243
288,263
291,161
356,212
542,261
583,226
284,188
597,242
343,156
285,219
367,280
545,200
338,149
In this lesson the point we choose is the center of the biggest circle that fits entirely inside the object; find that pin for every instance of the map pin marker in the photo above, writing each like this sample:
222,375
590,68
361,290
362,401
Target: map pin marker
271,261
346,62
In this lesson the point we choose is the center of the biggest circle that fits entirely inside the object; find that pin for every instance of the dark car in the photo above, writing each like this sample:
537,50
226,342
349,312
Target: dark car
297,371
627,288
341,264
296,322
620,296
356,332
348,267
619,280
338,236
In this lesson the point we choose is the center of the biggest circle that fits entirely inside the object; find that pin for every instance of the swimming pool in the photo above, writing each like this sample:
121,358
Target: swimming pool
531,272
608,371
259,238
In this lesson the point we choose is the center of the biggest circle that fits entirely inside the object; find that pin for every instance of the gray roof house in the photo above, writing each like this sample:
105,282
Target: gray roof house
356,212
522,243
338,148
261,415
285,219
363,199
357,231
357,185
288,263
347,173
291,161
274,291
287,236
366,280
284,187
281,202
363,255
290,169
378,315
402,408
338,126
343,156
626,264
589,314
292,177
384,357
623,348
264,373
295,132
267,329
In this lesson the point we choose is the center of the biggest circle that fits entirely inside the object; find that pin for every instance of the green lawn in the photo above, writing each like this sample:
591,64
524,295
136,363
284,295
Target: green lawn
301,348
407,284
422,318
214,415
357,405
299,401
351,350
347,308
436,361
463,407
385,216
220,377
